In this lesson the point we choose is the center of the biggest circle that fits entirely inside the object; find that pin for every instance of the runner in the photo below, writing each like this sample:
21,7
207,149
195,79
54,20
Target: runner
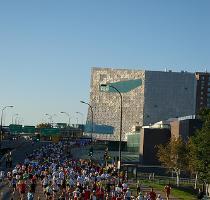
167,190
64,177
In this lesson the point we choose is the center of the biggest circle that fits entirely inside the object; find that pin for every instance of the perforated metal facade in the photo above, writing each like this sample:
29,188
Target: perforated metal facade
162,95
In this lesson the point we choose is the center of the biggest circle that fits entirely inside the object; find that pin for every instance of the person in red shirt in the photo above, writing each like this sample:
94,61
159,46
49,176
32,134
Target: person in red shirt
152,195
87,194
167,189
100,193
22,188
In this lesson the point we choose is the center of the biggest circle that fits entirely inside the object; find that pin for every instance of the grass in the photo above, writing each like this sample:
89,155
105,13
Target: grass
182,192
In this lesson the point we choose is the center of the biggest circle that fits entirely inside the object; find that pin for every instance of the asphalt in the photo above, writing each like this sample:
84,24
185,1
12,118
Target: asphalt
18,155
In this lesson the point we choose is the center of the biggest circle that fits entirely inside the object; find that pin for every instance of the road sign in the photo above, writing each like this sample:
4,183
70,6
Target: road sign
29,129
14,128
49,131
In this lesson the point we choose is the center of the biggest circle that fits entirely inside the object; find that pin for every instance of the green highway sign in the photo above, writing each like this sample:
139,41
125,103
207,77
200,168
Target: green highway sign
14,128
29,129
49,131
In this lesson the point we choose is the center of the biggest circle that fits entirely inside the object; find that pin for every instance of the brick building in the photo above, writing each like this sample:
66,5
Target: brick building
202,91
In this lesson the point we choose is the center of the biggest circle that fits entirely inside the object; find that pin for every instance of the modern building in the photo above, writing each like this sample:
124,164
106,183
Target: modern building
161,95
149,139
202,91
185,127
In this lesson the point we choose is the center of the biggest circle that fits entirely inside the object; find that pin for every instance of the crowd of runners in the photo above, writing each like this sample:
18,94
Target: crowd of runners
64,178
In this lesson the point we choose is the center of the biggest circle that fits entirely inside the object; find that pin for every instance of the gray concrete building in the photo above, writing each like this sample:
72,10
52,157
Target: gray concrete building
161,95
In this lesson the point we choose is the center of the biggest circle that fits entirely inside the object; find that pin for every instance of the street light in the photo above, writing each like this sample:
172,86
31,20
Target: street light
51,118
16,119
68,117
91,109
20,120
105,85
81,115
2,112
14,116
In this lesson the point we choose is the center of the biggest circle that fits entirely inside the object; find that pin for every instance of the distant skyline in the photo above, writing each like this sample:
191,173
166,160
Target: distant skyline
47,48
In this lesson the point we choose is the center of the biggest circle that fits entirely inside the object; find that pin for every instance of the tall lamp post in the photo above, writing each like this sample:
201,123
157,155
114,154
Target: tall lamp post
81,116
51,118
120,153
13,117
20,120
17,119
68,117
91,109
2,112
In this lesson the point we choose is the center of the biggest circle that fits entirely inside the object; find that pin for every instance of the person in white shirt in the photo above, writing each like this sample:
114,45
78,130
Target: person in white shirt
159,197
140,197
14,171
61,175
2,175
125,187
80,180
118,189
128,194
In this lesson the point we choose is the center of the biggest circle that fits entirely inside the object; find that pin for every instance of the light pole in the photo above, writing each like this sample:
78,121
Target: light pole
105,85
20,120
68,117
91,109
51,118
2,112
82,116
16,119
13,117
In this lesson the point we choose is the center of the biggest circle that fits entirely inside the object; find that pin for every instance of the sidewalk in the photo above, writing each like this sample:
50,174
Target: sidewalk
10,144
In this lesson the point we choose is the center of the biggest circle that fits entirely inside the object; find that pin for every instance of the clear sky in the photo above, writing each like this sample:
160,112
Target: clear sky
47,47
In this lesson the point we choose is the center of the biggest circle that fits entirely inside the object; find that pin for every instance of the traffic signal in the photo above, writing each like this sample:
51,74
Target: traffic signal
91,152
38,137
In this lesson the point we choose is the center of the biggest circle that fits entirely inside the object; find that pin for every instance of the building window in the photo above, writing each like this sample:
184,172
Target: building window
208,95
201,92
202,78
208,89
209,83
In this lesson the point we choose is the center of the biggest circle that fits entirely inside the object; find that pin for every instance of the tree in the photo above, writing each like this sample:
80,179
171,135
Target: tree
199,150
204,114
44,125
173,156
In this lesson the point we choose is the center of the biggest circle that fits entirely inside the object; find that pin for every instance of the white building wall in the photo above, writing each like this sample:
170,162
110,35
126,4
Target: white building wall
106,106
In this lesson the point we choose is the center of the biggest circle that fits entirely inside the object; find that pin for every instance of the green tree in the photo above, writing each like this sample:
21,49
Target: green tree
204,115
173,156
199,150
44,125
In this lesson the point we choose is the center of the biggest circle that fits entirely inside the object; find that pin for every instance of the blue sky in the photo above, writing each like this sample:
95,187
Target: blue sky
47,48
